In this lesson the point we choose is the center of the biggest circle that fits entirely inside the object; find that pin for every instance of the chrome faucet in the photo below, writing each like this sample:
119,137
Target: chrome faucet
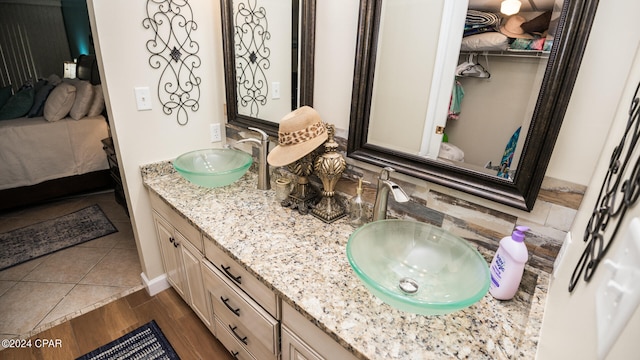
263,167
386,186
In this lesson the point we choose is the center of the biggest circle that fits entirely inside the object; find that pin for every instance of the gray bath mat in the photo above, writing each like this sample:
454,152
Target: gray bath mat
30,242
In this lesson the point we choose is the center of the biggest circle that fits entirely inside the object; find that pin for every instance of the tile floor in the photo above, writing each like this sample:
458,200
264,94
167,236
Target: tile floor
46,291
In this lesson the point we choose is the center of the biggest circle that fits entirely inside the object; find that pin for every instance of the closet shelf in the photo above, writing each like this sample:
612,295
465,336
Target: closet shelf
511,53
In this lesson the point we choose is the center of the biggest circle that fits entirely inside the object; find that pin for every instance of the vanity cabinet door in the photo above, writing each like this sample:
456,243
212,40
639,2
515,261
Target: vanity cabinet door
200,303
181,260
293,348
171,256
301,339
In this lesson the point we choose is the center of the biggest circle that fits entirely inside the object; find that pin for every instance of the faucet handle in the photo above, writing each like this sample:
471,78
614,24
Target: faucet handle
264,134
384,174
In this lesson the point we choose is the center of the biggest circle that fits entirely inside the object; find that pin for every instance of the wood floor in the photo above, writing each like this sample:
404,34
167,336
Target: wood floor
187,334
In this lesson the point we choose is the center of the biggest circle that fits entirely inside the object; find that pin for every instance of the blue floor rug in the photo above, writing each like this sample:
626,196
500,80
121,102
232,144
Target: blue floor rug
30,242
146,342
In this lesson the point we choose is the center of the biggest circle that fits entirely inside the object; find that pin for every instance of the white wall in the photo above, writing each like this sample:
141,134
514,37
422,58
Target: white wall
336,28
143,137
603,72
604,90
409,32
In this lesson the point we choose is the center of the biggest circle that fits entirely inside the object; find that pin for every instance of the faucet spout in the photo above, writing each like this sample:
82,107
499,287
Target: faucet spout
398,194
385,187
263,166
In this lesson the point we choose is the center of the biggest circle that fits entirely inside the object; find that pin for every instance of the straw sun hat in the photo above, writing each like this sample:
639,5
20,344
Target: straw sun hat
300,132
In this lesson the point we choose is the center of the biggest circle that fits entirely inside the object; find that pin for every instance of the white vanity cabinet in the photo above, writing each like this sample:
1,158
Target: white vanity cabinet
302,340
246,316
181,248
245,310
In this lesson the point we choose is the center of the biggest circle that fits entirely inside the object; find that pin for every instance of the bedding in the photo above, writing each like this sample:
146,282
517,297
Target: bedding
54,148
33,150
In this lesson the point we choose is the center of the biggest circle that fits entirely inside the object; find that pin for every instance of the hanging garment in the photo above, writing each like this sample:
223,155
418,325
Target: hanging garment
456,101
507,157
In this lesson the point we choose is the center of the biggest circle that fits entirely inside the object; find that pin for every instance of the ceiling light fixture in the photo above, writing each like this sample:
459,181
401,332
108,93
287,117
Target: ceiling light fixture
510,7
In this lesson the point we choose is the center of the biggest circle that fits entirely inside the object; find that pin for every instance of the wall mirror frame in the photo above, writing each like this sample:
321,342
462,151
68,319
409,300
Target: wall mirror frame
306,9
564,60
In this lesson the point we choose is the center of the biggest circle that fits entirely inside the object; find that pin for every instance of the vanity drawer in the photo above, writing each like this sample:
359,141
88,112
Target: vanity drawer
181,224
241,277
230,343
241,315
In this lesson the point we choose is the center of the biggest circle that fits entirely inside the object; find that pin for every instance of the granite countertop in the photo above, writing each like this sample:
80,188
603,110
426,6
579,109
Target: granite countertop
303,260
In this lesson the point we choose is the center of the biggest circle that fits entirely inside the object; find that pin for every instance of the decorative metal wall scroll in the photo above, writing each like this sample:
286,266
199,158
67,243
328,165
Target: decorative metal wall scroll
175,53
620,190
252,55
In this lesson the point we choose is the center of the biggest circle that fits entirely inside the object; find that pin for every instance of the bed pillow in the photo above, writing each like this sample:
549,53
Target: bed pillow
5,94
40,98
83,100
97,106
59,102
18,105
489,41
54,79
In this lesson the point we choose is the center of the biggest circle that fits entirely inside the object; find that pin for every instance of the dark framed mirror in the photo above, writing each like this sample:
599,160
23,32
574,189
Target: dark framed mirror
540,128
268,59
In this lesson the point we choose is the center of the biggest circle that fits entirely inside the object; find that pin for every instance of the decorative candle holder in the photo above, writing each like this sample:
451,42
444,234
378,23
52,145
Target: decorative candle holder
329,167
303,195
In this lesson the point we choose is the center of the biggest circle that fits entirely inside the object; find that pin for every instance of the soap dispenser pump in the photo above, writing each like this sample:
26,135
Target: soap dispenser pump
357,211
507,265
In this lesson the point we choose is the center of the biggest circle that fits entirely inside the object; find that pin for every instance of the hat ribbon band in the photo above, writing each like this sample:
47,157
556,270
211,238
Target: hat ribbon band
302,135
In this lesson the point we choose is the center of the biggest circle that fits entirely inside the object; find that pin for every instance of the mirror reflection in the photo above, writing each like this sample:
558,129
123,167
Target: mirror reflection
402,114
268,53
265,37
500,62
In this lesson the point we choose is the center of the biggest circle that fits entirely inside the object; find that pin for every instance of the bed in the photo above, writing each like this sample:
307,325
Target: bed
43,159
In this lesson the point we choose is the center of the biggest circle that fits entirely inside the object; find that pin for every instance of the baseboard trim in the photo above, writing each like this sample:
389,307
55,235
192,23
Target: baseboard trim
155,285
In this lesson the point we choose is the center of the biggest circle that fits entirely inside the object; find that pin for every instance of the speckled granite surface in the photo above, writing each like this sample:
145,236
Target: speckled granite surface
304,261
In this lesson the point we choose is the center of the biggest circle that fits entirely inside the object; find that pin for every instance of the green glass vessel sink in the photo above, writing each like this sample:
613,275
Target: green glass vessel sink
213,167
417,267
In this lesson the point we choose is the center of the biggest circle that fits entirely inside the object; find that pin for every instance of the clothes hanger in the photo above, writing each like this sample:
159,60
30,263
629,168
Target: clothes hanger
472,68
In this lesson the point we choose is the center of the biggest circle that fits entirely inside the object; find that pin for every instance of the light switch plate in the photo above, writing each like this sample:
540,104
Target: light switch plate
143,98
275,90
618,295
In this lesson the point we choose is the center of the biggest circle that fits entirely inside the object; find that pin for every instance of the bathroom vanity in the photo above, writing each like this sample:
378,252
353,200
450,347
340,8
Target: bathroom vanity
271,283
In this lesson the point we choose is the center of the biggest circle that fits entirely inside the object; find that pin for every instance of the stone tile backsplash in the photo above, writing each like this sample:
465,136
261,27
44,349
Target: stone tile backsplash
478,220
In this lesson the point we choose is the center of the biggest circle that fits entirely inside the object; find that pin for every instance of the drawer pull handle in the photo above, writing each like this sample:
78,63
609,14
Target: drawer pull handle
173,241
235,354
243,339
230,275
235,311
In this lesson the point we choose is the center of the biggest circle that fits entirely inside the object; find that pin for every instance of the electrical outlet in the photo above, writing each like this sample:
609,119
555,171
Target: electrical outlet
216,132
618,295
